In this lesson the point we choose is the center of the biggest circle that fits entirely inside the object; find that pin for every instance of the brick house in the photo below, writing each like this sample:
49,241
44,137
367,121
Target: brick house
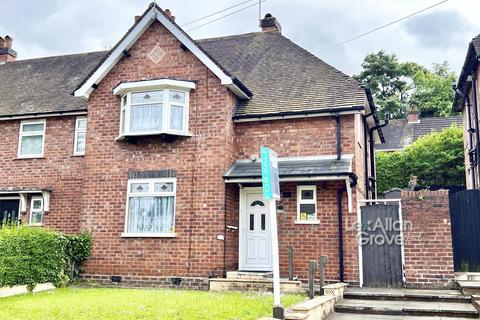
153,147
466,100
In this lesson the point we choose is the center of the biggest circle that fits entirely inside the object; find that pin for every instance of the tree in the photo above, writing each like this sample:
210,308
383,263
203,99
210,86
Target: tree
432,93
435,159
396,86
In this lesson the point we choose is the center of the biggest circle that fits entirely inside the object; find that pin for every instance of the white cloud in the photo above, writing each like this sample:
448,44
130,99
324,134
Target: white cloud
54,27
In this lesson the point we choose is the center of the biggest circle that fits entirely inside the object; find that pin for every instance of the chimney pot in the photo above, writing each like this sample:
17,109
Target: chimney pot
8,42
413,116
168,13
136,18
270,23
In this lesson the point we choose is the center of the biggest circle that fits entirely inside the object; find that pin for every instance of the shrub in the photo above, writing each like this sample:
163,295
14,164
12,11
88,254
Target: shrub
435,159
32,255
78,250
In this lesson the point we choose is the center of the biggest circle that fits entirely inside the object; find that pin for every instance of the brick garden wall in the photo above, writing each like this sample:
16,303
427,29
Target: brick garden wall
428,240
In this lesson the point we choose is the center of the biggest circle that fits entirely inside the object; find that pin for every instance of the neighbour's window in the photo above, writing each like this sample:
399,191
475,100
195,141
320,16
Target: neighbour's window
154,112
80,135
151,206
36,211
31,140
307,203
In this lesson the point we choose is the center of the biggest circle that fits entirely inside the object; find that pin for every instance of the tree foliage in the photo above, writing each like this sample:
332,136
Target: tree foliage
396,86
435,159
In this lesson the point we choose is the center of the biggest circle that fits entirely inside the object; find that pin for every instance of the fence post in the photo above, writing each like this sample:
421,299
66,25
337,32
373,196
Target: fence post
312,266
322,263
290,263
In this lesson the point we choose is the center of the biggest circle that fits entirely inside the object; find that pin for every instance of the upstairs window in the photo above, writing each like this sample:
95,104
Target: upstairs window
154,112
80,136
154,107
31,139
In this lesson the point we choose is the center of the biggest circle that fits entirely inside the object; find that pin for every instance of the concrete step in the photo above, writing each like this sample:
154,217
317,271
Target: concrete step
406,295
407,308
350,316
260,285
467,276
469,287
249,275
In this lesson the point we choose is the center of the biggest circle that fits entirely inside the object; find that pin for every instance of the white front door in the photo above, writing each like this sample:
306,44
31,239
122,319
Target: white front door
255,236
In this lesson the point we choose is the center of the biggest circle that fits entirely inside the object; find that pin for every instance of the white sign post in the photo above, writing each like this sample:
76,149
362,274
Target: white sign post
271,193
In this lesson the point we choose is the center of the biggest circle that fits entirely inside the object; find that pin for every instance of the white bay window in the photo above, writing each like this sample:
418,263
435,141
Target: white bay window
154,107
150,210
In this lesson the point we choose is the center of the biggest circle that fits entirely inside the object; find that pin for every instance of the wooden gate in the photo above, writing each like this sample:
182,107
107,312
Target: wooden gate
381,241
465,217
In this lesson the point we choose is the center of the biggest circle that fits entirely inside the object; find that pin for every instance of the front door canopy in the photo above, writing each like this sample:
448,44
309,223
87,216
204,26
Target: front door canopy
152,14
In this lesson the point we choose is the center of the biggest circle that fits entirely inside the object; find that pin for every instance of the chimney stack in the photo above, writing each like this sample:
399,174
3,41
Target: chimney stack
168,13
270,24
413,116
7,54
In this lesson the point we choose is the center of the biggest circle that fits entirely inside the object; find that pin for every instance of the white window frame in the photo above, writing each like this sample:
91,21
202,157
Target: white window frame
307,201
31,133
77,131
124,129
32,210
151,193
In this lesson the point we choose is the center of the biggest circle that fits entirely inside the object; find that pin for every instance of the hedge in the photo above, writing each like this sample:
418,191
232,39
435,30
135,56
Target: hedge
32,255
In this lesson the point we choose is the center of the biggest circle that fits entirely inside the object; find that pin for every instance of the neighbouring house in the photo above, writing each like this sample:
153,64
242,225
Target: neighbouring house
153,146
466,100
401,133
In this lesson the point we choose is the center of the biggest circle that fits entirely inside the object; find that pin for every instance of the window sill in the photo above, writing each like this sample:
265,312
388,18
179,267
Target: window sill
307,221
29,157
126,136
148,235
78,155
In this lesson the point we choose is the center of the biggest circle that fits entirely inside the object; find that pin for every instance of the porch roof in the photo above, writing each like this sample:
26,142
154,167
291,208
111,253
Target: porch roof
322,168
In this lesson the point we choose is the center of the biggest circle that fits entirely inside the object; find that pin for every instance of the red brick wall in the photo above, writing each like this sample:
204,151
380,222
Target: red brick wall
309,242
58,170
428,240
294,137
200,162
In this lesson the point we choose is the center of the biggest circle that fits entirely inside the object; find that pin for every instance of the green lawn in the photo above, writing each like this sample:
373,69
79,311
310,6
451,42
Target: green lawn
119,304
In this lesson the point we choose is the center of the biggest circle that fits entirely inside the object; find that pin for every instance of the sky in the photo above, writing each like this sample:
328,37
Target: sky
54,27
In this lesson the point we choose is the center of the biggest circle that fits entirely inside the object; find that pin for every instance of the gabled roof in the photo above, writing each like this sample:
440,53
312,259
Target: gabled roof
282,76
399,133
155,13
469,66
43,86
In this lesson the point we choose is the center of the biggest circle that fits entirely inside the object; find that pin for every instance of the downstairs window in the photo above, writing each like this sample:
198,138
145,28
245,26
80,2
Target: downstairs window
150,208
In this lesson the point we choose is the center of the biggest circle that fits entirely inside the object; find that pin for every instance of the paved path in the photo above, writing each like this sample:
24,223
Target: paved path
350,316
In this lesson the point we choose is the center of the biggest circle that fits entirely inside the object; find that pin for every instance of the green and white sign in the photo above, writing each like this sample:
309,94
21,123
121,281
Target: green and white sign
270,180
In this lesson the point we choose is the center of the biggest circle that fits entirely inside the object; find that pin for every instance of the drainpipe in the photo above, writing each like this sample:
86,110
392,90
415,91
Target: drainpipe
365,153
339,142
477,132
225,233
340,234
372,156
470,130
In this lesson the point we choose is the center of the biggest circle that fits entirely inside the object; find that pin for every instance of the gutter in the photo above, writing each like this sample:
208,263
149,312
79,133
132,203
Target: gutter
290,114
43,115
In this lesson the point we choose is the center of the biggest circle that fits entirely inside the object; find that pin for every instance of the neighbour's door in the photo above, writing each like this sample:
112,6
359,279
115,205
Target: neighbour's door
255,231
9,211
